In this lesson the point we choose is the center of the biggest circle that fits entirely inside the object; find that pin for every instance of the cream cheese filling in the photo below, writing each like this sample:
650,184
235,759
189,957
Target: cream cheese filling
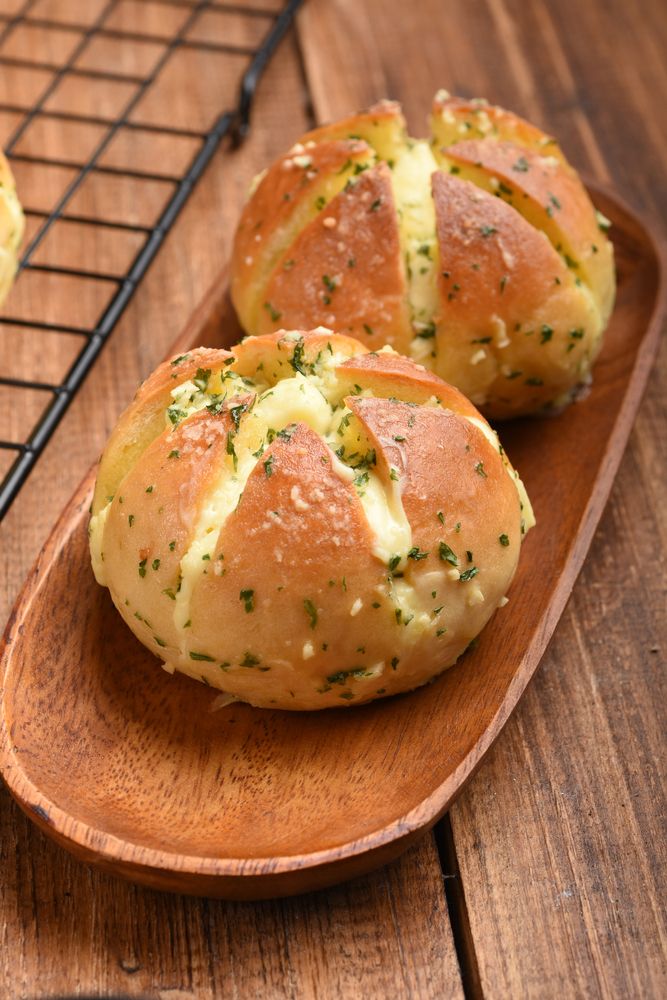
96,538
411,180
383,508
527,515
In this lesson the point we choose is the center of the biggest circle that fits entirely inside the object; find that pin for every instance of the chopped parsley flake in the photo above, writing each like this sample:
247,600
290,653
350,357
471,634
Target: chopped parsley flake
503,539
447,555
273,313
175,415
201,378
342,675
248,598
468,574
603,222
311,611
202,656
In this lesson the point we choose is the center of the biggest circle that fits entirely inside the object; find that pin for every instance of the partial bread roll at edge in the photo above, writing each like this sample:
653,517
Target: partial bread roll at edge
302,523
12,224
477,252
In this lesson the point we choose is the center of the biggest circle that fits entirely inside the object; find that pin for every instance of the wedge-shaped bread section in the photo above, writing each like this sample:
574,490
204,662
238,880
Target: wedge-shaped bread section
454,119
497,270
152,522
141,423
292,193
345,269
382,127
550,197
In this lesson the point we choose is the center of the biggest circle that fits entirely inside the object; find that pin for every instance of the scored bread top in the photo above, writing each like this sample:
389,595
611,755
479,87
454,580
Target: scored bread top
311,525
369,254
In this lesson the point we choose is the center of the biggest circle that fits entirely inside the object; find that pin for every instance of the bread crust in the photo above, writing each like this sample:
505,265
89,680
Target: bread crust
291,193
323,526
396,291
345,269
454,119
141,422
553,198
484,341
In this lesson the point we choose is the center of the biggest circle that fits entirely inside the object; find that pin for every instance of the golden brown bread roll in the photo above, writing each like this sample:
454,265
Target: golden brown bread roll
478,253
11,228
304,524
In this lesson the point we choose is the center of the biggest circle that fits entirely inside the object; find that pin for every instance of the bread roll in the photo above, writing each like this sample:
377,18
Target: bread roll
11,228
304,524
477,252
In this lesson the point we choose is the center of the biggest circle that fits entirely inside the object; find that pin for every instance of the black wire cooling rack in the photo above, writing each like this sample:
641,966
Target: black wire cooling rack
87,43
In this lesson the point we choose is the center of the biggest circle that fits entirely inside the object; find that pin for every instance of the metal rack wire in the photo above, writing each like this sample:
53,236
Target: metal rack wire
107,20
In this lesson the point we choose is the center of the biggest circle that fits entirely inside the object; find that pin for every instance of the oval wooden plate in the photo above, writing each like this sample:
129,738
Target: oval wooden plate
132,771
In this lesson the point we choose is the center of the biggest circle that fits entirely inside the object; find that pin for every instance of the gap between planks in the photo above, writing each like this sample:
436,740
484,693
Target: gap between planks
464,944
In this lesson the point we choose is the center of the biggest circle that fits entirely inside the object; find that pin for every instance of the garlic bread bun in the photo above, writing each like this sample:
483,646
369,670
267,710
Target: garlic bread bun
303,523
12,224
477,252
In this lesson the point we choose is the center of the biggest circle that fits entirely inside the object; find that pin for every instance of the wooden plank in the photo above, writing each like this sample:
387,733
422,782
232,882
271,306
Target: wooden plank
560,838
65,929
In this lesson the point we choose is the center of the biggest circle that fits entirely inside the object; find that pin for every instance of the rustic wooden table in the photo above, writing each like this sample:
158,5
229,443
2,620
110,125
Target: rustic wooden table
545,879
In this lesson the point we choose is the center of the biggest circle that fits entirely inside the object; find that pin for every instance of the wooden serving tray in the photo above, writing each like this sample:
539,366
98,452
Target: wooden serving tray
131,771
